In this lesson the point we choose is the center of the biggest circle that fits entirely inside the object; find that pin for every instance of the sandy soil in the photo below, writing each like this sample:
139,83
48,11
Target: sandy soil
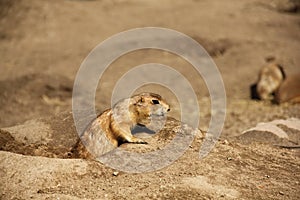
43,43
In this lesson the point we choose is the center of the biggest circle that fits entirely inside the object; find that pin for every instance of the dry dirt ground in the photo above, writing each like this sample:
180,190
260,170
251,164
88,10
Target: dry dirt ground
43,43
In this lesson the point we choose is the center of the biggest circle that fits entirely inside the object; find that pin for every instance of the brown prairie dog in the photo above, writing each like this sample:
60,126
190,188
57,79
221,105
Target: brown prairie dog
113,126
274,85
270,78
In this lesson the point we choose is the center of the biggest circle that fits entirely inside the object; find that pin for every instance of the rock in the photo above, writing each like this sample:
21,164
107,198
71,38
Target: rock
279,132
116,173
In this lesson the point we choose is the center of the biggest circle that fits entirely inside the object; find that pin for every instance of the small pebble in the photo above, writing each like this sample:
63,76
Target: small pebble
280,192
116,173
225,142
229,158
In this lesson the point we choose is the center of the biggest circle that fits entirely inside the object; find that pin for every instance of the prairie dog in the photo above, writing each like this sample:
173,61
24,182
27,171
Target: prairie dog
270,78
113,127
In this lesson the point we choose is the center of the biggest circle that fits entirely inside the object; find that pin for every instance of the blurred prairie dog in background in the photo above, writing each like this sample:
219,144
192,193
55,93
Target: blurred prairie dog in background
273,84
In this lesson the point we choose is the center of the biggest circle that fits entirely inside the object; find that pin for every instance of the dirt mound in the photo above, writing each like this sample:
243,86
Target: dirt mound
56,137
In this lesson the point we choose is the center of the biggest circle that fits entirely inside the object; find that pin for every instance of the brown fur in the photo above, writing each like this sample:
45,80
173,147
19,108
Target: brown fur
289,90
113,126
270,78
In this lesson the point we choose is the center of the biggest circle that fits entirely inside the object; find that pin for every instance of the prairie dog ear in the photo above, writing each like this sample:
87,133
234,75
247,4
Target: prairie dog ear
138,100
270,59
141,101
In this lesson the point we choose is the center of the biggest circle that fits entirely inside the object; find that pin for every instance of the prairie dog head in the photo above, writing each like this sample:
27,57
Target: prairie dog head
148,105
140,109
269,80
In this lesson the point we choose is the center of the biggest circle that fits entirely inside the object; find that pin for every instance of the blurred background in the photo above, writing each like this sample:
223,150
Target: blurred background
43,43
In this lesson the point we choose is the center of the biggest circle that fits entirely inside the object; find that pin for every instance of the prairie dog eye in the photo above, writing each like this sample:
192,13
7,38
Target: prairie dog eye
154,101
